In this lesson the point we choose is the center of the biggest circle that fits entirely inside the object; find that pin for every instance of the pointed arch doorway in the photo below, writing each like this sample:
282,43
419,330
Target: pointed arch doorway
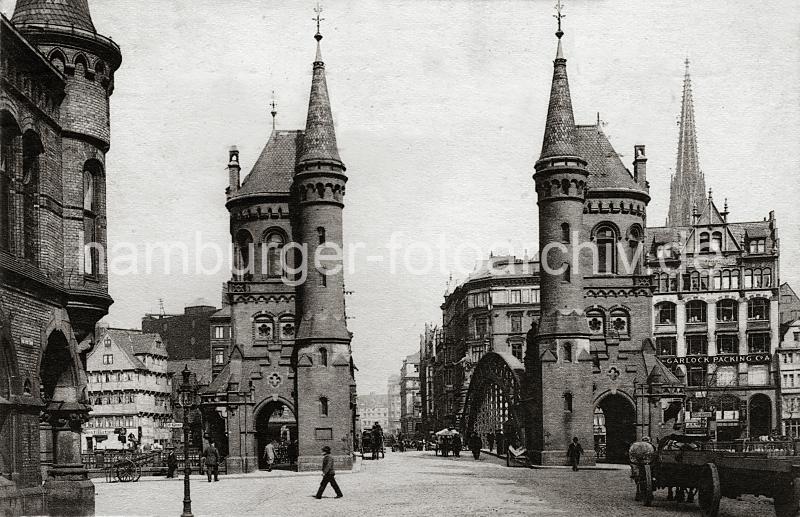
275,420
619,420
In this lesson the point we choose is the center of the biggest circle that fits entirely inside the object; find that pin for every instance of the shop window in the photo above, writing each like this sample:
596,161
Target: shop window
727,310
696,311
667,345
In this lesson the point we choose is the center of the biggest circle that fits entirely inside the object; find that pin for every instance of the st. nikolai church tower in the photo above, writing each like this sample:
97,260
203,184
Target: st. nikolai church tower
558,363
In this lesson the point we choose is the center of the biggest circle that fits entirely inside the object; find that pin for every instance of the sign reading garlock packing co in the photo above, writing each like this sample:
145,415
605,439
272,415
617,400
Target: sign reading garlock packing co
718,359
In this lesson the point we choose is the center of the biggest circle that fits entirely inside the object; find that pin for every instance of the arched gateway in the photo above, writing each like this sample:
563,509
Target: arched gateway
494,400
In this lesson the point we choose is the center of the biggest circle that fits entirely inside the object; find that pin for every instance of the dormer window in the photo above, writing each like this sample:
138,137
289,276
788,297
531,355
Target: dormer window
758,245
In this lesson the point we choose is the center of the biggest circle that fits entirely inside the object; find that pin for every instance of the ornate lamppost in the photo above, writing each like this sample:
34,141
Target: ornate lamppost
186,400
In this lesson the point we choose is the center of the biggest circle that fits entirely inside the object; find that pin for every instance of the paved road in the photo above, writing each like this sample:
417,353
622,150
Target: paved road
411,483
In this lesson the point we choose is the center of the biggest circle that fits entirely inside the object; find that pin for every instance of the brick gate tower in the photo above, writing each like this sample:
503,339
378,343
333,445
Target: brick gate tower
559,367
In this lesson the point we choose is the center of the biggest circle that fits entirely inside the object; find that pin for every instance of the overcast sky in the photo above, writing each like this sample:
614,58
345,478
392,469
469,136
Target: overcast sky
439,110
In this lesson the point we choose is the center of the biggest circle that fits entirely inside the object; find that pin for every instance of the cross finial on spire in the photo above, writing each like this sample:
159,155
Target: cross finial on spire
558,16
709,194
318,18
274,111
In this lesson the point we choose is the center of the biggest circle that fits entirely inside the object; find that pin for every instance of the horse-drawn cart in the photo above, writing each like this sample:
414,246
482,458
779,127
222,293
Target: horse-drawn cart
689,463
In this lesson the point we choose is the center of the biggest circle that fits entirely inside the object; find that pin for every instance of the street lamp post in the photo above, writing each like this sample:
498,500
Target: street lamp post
186,403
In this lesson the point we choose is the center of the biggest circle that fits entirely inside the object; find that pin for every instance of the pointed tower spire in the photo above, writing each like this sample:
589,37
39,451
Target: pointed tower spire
688,185
559,131
319,142
274,110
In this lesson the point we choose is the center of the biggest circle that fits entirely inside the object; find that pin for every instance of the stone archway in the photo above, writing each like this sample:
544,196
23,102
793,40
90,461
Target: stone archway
275,420
493,399
619,421
760,415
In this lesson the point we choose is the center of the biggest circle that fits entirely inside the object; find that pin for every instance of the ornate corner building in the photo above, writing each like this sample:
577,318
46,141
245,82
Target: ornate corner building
288,351
57,77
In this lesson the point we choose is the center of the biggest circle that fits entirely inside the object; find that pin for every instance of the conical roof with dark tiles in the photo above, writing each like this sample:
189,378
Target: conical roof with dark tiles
273,170
64,13
319,142
606,170
559,131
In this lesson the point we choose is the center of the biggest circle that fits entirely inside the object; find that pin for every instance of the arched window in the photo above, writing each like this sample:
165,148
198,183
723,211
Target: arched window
263,328
716,280
274,243
620,321
567,353
568,401
704,242
665,313
244,253
31,149
323,357
323,406
57,60
596,320
727,310
758,309
766,277
565,237
695,281
9,135
716,242
321,235
696,311
91,251
80,66
606,240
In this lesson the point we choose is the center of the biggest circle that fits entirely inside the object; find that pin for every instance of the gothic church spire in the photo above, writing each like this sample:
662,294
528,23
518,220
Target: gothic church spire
688,185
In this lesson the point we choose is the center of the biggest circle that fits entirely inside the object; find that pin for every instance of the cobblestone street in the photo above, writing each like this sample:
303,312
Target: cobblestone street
411,483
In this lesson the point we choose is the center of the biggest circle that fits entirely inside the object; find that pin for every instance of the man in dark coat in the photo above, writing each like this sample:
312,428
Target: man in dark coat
456,445
475,445
574,453
490,439
501,443
211,457
172,464
328,474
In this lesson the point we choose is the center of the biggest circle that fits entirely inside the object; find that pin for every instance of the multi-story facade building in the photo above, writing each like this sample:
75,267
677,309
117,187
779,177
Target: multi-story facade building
288,351
716,304
788,372
410,401
427,362
491,311
187,335
374,408
393,402
789,304
130,391
57,74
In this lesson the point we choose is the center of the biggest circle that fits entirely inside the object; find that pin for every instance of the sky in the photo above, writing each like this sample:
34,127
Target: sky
439,109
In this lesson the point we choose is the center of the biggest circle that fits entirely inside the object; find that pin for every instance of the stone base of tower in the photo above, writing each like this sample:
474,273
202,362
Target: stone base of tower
314,463
241,464
69,496
20,501
554,458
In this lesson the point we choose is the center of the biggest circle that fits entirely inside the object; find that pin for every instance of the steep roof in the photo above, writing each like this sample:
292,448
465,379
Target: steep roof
606,170
137,343
64,13
274,168
319,142
559,131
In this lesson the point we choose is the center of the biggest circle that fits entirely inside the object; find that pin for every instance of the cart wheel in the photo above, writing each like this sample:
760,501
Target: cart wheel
709,492
646,487
126,471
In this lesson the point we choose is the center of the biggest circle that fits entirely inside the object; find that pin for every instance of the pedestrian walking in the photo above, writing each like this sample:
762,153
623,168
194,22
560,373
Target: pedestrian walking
328,474
574,453
457,445
490,440
172,464
293,452
269,455
211,457
475,445
501,443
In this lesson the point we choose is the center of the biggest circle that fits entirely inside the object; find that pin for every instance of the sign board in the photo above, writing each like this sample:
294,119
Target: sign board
719,359
175,425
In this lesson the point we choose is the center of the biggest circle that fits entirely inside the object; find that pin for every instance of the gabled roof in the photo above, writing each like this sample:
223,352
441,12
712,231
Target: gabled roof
63,13
710,215
274,168
606,170
137,343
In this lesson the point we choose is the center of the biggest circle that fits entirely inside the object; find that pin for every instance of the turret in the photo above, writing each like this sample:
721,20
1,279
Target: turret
233,171
640,166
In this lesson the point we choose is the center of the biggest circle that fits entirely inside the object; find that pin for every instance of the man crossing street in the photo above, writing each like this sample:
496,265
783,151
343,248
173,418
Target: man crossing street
328,474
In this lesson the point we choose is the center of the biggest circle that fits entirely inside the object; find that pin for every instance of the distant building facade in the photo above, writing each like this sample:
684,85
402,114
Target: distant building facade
427,363
491,311
374,408
130,391
410,402
788,366
789,304
57,76
393,402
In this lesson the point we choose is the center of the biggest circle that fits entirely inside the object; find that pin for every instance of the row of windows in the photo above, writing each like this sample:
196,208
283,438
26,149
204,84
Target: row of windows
618,321
264,328
758,309
719,280
130,398
791,404
697,344
273,255
126,377
697,376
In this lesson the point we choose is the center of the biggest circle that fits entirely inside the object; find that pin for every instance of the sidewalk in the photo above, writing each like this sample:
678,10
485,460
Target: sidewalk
599,466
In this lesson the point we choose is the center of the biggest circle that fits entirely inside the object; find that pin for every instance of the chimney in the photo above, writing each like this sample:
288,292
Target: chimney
640,166
233,170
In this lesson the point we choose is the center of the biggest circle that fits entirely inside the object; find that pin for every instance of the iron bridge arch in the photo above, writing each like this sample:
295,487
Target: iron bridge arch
494,400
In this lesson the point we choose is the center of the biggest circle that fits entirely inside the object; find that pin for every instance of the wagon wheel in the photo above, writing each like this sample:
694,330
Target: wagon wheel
646,484
709,491
127,471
